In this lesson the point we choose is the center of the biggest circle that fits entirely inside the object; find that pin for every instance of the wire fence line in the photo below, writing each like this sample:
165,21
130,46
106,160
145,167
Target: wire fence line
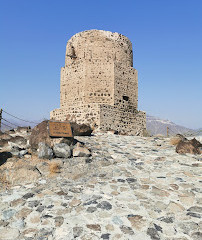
7,123
18,117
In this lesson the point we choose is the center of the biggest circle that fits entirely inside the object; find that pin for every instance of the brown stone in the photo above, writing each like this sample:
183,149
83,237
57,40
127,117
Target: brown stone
189,146
95,227
23,175
81,151
74,202
17,202
81,129
109,227
159,192
137,221
174,186
40,134
175,207
23,213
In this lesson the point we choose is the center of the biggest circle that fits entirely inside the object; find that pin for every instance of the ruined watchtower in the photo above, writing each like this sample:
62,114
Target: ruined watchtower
99,85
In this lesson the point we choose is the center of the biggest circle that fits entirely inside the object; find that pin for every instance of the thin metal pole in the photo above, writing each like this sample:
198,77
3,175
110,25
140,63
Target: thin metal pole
0,117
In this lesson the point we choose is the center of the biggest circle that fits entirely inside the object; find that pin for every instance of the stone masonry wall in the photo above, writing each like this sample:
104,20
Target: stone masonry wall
99,85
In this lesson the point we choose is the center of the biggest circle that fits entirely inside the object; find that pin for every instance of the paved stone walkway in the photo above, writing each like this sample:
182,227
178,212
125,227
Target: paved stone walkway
131,188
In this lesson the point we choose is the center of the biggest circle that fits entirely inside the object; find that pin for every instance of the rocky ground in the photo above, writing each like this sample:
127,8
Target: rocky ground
130,188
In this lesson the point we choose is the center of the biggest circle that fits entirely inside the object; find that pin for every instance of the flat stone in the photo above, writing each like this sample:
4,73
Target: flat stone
40,208
104,205
153,233
166,219
195,209
81,151
91,209
196,215
131,180
62,150
23,213
28,195
105,236
33,218
75,202
197,236
77,231
59,221
33,204
175,207
159,192
17,202
9,234
95,227
137,221
126,230
7,214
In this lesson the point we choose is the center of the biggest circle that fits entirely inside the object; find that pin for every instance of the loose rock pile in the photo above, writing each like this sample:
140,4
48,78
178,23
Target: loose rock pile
27,155
49,147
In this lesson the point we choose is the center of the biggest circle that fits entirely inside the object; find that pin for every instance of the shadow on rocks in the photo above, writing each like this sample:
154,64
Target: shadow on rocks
4,156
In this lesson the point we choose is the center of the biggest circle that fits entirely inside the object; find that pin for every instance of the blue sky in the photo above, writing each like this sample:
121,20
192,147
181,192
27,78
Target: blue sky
167,44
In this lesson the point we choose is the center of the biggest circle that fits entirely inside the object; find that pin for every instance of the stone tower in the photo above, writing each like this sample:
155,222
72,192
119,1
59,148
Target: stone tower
99,85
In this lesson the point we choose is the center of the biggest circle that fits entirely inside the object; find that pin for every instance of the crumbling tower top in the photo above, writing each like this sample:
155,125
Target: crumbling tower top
99,45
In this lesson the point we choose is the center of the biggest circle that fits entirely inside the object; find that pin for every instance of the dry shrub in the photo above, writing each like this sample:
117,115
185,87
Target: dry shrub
54,168
175,140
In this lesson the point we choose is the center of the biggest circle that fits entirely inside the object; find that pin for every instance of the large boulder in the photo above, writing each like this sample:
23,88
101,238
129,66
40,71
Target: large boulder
62,150
44,151
189,146
40,134
81,129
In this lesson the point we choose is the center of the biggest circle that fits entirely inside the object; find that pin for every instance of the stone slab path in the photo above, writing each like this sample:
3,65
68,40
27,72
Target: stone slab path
131,188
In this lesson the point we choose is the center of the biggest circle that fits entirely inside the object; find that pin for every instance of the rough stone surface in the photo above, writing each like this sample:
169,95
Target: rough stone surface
44,151
189,146
9,234
130,188
81,129
40,134
81,151
62,150
99,85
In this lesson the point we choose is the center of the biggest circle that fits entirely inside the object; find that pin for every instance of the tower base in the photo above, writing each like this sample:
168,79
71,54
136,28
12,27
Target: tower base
104,117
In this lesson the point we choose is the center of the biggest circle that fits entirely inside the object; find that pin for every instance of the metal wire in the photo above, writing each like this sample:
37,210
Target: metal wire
18,117
10,122
7,125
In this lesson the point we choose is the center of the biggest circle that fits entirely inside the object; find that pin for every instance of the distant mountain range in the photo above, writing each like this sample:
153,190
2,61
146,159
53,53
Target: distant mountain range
159,126
155,126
